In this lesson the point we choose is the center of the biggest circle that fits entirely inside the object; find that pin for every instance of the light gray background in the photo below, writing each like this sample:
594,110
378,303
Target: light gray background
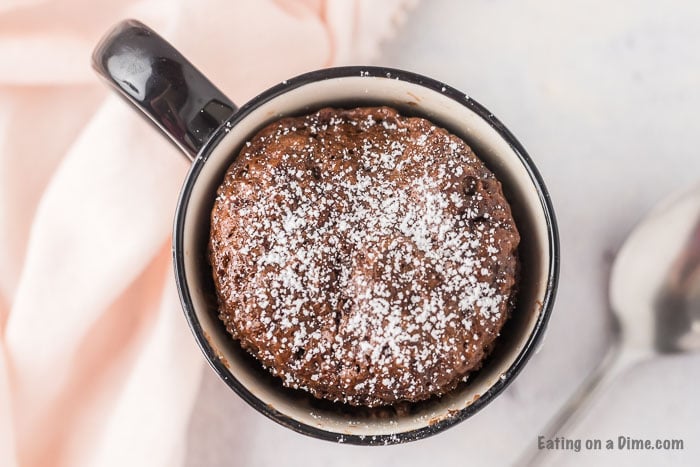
605,96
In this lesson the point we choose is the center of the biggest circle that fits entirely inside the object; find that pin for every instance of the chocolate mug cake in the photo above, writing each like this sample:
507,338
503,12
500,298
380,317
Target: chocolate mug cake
393,336
365,257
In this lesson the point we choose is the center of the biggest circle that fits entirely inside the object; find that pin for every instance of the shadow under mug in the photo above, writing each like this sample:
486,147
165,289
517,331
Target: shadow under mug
210,129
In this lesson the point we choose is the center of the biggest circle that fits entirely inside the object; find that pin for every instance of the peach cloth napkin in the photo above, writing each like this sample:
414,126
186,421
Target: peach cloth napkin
97,365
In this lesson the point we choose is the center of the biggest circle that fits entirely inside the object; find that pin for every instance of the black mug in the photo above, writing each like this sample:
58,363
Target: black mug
210,130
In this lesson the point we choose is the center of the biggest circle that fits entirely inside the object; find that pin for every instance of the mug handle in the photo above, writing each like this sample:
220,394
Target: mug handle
156,79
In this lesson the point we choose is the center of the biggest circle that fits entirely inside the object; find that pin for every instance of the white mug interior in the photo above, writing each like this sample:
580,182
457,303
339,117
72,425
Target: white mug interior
444,107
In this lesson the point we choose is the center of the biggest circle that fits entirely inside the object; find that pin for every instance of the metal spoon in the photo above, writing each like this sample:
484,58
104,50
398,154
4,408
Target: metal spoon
654,300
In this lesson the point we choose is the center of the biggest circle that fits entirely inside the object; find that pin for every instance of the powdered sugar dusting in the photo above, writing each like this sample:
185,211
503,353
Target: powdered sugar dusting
362,256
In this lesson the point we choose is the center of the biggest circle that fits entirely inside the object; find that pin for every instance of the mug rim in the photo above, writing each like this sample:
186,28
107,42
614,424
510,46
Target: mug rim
524,354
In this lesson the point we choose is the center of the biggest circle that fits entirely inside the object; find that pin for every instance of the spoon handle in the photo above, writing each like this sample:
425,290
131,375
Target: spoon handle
616,361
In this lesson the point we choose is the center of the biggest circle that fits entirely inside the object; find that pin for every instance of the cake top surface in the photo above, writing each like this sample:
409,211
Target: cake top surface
362,253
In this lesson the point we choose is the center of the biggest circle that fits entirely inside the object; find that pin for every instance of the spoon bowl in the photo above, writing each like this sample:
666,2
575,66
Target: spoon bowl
654,279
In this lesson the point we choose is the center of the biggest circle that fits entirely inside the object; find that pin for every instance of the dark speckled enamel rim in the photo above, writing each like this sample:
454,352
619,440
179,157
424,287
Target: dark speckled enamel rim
501,383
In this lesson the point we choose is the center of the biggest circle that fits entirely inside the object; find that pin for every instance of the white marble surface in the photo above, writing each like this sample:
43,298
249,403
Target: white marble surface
605,97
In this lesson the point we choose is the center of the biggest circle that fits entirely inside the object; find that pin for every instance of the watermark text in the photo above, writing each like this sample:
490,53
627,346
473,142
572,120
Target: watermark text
620,443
